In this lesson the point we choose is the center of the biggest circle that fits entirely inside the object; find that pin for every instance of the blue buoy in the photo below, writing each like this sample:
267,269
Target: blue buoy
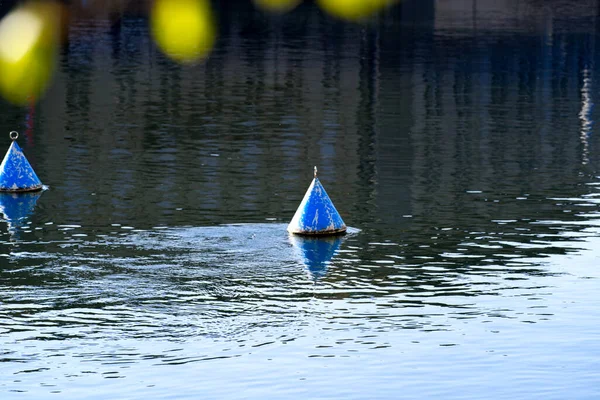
316,214
316,252
16,174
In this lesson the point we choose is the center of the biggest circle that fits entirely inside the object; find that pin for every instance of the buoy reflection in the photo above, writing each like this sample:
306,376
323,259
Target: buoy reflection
16,208
316,252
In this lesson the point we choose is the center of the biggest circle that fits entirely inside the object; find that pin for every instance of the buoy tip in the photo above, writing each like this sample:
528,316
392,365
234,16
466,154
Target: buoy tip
14,135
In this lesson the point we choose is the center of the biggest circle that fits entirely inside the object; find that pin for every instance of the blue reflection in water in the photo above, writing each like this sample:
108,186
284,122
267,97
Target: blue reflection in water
316,252
16,208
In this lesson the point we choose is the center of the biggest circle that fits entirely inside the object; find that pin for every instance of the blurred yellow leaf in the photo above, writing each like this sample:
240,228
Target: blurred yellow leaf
353,10
183,29
29,37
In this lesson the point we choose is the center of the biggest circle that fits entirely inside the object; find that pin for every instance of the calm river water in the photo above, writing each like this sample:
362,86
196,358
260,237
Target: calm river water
459,144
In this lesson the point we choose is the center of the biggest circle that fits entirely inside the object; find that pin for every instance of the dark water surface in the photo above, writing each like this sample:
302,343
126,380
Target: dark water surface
459,143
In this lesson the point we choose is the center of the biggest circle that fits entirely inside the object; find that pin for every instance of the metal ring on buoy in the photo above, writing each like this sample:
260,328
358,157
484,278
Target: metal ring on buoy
14,135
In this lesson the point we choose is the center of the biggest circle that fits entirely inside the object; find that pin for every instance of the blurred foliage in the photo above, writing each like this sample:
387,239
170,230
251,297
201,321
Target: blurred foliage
353,10
29,40
184,30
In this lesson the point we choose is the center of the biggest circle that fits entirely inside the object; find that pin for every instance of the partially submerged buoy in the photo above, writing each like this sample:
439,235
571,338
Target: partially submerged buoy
316,214
16,174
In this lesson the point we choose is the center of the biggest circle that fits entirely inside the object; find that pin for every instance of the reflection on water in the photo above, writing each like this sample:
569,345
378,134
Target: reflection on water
585,115
458,138
16,208
316,252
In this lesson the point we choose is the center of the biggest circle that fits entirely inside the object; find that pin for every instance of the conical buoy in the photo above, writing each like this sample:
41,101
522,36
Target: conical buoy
316,214
16,174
